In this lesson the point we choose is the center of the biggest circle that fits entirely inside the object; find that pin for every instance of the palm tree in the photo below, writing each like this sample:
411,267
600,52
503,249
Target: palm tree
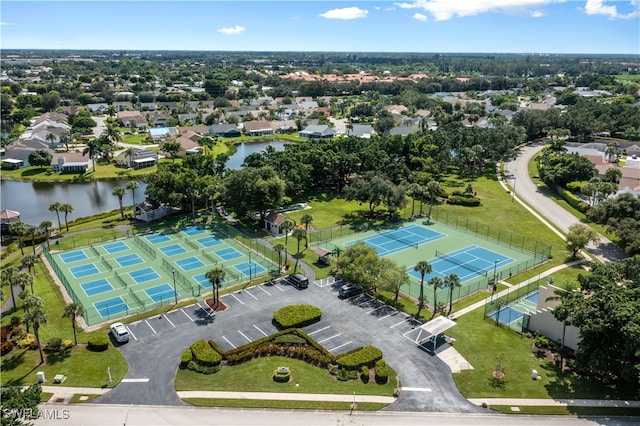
20,230
51,138
286,227
112,134
32,232
337,251
306,220
215,277
132,185
9,276
436,283
452,281
612,151
29,261
30,302
613,174
298,234
423,267
55,207
94,147
414,189
66,209
45,225
478,158
279,248
561,313
129,152
36,317
433,189
72,311
65,139
119,192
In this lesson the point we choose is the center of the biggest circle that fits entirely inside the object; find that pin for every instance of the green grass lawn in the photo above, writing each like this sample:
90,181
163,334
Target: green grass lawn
135,139
293,405
568,411
255,376
104,171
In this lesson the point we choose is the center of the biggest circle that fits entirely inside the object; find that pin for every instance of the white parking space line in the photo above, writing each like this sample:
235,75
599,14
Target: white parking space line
258,328
167,318
262,288
247,291
190,319
400,323
394,312
278,287
234,346
131,333
329,338
244,335
338,347
154,332
234,296
145,380
379,307
318,331
416,389
208,312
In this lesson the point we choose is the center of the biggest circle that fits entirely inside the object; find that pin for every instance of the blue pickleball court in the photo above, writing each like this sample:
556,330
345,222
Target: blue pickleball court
129,260
249,268
204,281
228,253
116,247
157,238
143,275
193,230
190,263
84,270
73,256
209,241
160,293
96,287
173,250
110,307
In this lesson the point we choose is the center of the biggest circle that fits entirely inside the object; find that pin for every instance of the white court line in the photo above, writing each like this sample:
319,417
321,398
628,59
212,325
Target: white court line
234,296
257,328
145,380
329,338
247,291
400,323
317,331
234,346
387,316
167,318
132,335
338,347
244,335
186,315
373,310
154,332
260,287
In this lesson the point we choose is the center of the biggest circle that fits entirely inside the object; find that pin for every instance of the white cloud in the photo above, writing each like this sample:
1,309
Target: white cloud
346,13
420,17
538,14
597,7
443,10
4,24
232,30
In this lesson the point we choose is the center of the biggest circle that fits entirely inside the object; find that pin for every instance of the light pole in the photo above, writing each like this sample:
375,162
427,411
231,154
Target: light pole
175,293
249,266
495,284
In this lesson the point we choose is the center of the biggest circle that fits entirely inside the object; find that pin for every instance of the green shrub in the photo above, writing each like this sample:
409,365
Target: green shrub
364,373
4,333
203,369
541,341
25,340
217,348
15,321
186,358
66,344
290,339
204,354
296,316
355,359
282,375
382,372
572,200
464,201
53,344
344,375
6,347
98,343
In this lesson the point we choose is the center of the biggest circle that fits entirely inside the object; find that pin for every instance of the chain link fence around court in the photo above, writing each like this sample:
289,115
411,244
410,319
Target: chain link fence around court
512,310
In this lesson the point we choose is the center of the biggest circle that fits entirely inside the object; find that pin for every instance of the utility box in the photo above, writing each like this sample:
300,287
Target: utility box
534,374
40,375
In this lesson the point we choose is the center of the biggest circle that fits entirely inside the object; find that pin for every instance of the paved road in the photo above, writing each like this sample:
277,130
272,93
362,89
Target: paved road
109,415
527,190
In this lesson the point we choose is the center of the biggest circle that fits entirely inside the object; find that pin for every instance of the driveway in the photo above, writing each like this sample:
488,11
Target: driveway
153,353
518,177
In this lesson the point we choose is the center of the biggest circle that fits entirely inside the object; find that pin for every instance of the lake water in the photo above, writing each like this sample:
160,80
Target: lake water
244,149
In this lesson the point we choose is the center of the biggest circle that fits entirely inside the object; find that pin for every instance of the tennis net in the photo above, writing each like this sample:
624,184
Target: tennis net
453,259
136,297
106,264
119,278
394,237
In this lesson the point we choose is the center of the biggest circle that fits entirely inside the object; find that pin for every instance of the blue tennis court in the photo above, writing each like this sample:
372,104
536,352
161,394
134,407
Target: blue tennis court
143,275
116,247
190,263
204,281
84,270
161,292
228,253
173,249
399,239
110,307
247,268
129,260
73,256
209,241
157,238
533,298
507,315
193,230
96,287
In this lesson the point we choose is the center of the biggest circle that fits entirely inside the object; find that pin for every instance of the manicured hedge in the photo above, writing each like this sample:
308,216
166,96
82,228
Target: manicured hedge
204,354
355,359
98,343
572,200
464,201
382,372
186,358
290,339
296,316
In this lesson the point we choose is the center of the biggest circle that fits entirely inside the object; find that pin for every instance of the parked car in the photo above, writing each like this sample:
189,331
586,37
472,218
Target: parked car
299,280
349,290
119,332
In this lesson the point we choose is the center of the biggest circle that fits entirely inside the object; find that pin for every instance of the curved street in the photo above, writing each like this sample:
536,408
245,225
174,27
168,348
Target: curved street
518,177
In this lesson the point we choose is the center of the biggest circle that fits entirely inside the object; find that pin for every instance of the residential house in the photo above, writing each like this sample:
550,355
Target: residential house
148,106
188,144
284,126
317,131
159,119
139,158
162,133
132,117
7,217
100,108
258,128
191,117
202,129
70,109
225,130
360,130
70,162
17,157
272,223
123,105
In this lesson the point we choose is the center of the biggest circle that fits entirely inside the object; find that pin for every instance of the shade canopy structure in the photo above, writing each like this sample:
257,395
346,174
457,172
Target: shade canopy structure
432,329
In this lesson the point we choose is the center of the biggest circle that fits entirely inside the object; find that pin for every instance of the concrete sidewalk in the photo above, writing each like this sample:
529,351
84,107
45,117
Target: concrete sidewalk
287,396
556,402
62,394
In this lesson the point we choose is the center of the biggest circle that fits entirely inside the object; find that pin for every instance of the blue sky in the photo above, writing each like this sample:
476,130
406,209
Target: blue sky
500,26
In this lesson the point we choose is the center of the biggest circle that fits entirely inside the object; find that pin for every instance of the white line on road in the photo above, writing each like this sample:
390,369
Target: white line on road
416,389
262,288
394,312
257,328
318,331
146,380
167,318
154,332
244,335
235,297
247,291
132,335
186,315
234,346
209,313
338,347
278,287
401,322
379,307
329,338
